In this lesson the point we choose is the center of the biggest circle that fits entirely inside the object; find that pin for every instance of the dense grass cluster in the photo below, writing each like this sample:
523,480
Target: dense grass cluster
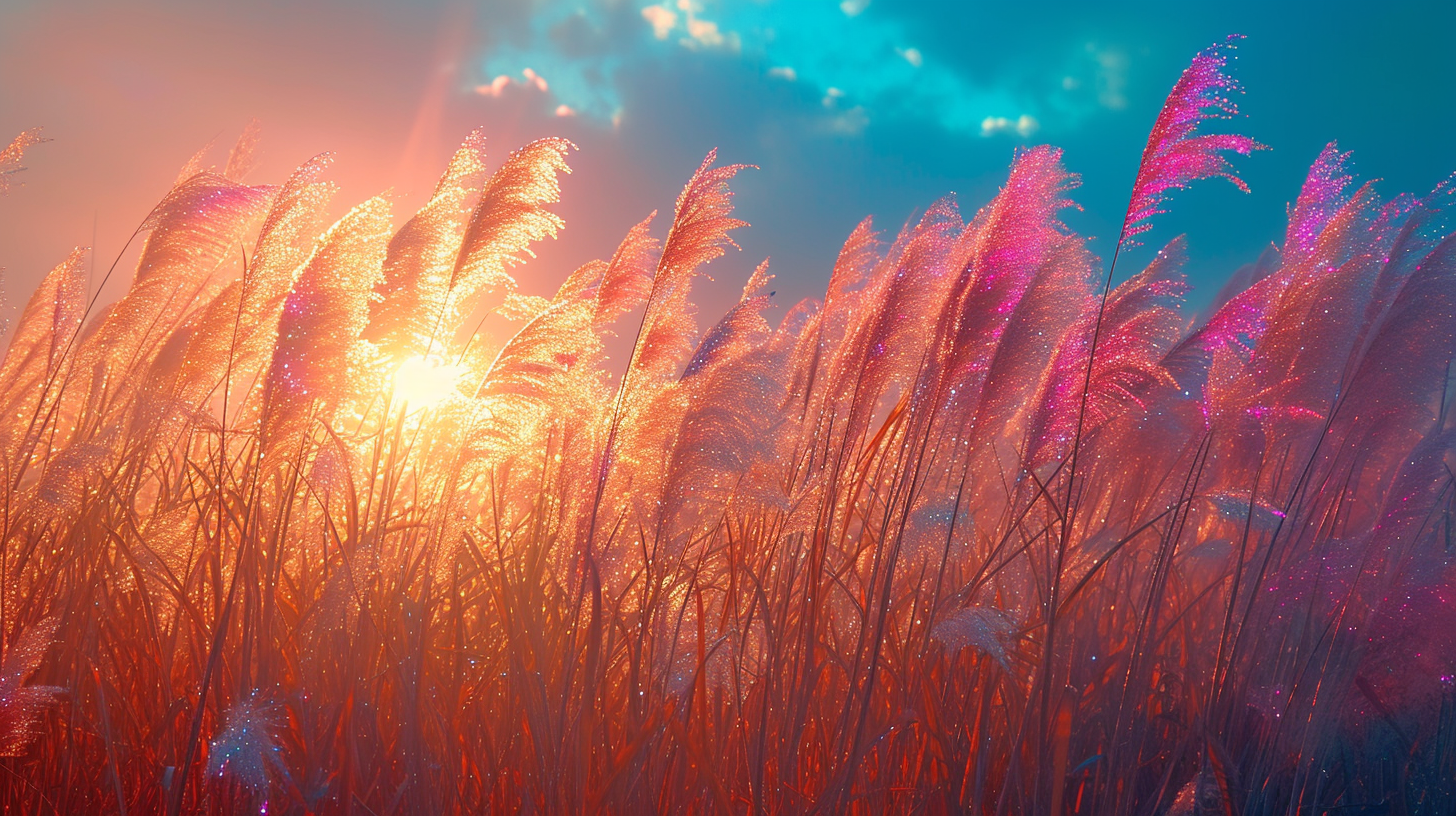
281,530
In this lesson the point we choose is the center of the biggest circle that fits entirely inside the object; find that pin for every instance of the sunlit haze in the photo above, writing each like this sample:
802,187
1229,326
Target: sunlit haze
727,406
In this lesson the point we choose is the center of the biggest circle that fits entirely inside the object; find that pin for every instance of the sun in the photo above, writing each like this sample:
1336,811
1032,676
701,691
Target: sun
426,381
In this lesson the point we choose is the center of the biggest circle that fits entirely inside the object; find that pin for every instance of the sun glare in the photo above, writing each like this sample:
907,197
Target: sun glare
424,382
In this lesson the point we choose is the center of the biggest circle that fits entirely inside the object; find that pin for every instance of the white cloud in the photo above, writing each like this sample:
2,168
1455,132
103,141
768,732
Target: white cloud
535,80
1112,66
701,33
498,86
704,32
1023,125
840,120
844,56
851,122
662,20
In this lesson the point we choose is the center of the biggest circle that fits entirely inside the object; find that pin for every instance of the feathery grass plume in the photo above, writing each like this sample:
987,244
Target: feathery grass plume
544,391
583,282
38,349
1176,154
246,749
1011,242
508,219
197,223
626,282
1320,572
1408,658
241,321
900,307
169,540
854,263
1322,195
519,308
159,414
984,628
826,328
1240,315
323,316
1419,226
701,222
740,330
1140,325
70,473
539,407
194,232
13,153
1026,379
1280,394
936,531
422,255
195,163
1395,390
22,705
244,155
1231,330
1243,278
725,438
1313,240
230,336
531,379
1414,230
1298,383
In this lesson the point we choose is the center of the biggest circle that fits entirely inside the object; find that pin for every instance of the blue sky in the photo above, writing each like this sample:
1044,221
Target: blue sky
849,108
879,106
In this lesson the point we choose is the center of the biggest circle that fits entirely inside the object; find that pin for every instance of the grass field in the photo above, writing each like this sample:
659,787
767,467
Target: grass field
993,527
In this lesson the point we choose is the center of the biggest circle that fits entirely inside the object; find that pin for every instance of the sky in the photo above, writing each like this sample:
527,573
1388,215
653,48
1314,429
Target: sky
852,108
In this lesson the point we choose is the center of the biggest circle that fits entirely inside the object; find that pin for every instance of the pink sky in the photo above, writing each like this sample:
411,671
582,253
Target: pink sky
127,96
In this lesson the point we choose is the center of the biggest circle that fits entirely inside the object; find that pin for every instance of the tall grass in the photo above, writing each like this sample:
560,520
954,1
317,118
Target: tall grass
980,532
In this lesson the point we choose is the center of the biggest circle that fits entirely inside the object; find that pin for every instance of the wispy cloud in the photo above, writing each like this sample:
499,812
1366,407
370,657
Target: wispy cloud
1112,67
503,82
1023,125
663,20
867,61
